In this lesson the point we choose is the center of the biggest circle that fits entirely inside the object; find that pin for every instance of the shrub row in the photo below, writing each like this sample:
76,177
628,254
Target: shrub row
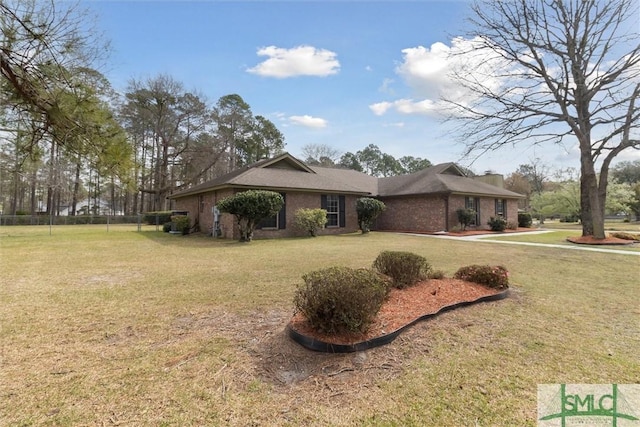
342,299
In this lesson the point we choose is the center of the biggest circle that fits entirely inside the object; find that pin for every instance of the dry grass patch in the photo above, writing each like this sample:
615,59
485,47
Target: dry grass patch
127,328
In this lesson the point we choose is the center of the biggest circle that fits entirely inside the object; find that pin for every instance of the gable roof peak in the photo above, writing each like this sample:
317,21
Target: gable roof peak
282,161
449,168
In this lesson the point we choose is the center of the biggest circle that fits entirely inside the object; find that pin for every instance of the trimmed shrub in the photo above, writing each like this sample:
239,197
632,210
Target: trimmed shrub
497,223
570,218
368,210
166,227
465,217
250,207
341,299
525,220
491,276
625,236
309,221
180,223
404,268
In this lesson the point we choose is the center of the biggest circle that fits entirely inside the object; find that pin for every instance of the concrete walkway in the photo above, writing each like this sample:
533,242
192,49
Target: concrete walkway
488,238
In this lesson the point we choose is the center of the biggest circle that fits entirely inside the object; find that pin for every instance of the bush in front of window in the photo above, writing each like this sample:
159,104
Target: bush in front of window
465,217
341,299
404,268
249,208
497,223
309,221
491,276
368,210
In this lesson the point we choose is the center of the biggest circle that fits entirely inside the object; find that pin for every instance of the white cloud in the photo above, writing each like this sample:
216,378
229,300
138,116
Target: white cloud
380,108
386,86
427,72
406,106
424,69
298,61
308,121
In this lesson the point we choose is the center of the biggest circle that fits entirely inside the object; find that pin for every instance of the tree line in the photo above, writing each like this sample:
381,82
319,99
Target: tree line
556,193
529,72
70,143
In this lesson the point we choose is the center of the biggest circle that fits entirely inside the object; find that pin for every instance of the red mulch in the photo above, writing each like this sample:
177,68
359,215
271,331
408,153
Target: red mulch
403,307
590,240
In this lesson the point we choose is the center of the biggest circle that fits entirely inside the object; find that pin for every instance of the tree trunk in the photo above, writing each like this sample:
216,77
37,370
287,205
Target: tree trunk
592,215
76,189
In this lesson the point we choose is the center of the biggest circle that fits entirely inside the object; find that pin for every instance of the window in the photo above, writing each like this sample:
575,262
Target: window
271,222
277,221
334,205
501,208
332,210
201,202
473,203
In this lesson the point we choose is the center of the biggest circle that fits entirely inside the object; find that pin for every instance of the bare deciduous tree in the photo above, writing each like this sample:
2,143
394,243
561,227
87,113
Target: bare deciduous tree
561,71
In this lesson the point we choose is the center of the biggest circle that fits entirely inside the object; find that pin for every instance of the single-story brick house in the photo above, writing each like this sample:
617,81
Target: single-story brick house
425,201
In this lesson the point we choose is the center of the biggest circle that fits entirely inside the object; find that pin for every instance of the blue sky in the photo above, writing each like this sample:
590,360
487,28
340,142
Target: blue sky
342,73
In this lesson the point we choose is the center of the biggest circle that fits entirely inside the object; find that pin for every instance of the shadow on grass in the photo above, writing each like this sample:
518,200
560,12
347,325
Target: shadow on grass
201,239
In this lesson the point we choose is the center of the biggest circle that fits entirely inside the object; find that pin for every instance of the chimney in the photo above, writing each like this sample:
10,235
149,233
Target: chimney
491,178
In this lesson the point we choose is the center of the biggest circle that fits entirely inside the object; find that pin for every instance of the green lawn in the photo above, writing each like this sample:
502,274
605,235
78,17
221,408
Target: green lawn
557,237
146,328
609,225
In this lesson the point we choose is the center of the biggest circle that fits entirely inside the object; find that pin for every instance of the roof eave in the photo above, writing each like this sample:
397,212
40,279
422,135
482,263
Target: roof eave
269,188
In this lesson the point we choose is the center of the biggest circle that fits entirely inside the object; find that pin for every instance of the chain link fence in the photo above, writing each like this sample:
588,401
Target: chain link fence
7,220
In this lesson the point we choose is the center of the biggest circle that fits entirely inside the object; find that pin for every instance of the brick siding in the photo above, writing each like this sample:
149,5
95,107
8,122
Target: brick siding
200,210
413,213
418,213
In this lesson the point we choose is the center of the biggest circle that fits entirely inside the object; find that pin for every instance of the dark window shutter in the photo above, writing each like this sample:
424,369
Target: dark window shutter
323,202
283,213
341,202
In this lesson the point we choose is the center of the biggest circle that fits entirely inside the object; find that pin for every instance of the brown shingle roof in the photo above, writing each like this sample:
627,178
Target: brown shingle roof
439,179
295,176
285,172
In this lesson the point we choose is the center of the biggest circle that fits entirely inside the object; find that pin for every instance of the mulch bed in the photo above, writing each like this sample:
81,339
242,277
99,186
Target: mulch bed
590,240
403,307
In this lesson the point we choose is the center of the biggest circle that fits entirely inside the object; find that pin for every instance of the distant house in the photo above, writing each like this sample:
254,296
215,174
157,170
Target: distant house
425,201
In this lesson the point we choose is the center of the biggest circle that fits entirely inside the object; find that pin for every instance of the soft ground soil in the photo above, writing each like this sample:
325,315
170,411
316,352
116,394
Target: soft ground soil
402,307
